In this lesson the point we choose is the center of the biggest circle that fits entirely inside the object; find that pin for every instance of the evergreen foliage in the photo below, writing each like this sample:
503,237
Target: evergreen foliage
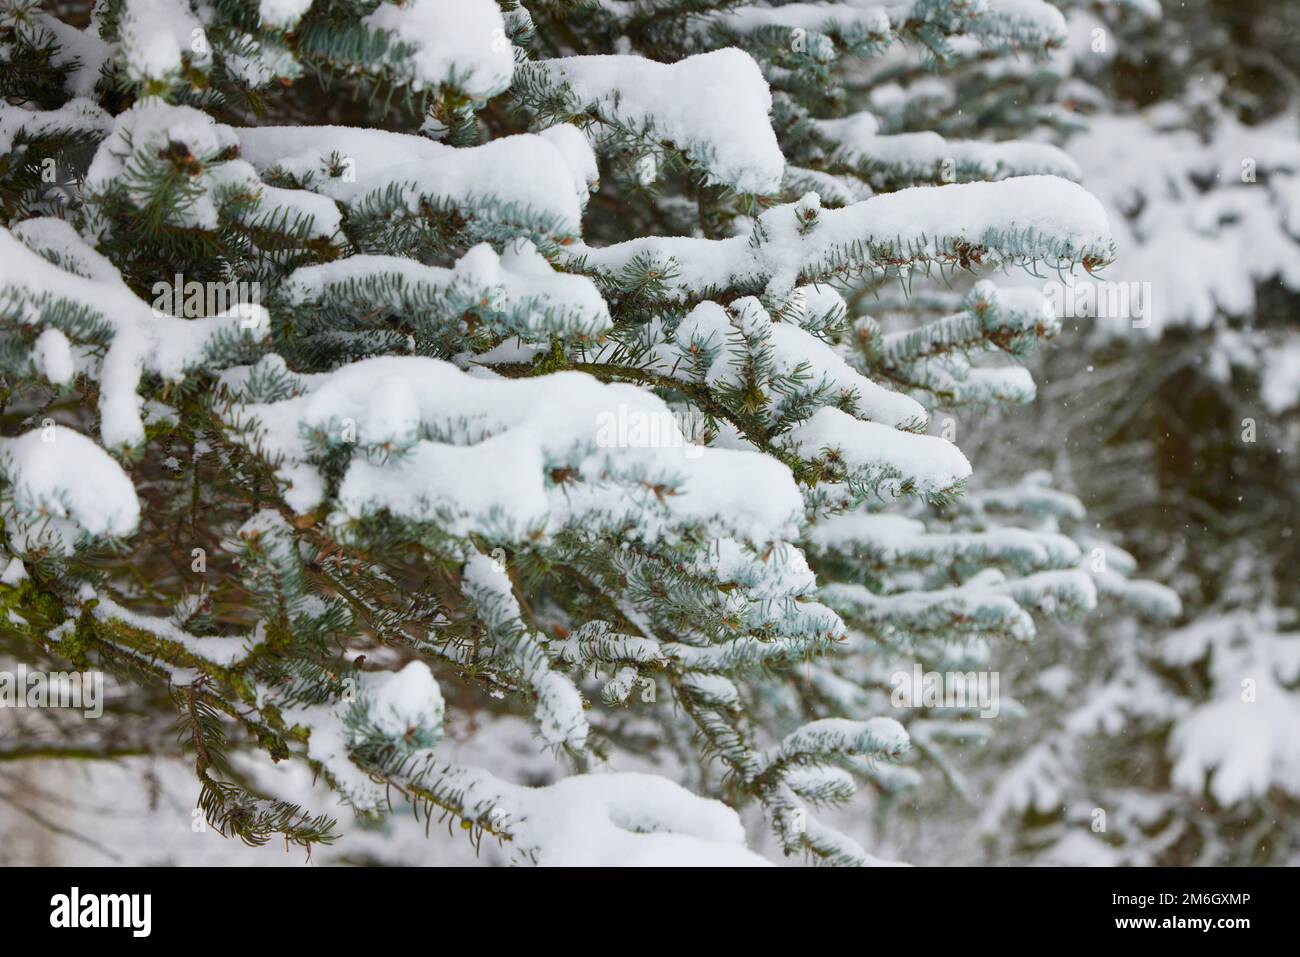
588,375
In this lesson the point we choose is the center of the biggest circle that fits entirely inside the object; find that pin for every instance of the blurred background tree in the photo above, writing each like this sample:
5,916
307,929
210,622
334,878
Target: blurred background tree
1177,422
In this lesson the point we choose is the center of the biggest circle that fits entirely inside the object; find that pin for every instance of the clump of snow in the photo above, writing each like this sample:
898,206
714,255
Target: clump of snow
1040,217
158,36
1022,20
714,106
620,819
405,699
53,356
867,19
500,444
282,14
1280,381
835,736
878,453
569,140
149,127
426,172
15,572
81,51
886,539
517,292
56,472
922,154
461,44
